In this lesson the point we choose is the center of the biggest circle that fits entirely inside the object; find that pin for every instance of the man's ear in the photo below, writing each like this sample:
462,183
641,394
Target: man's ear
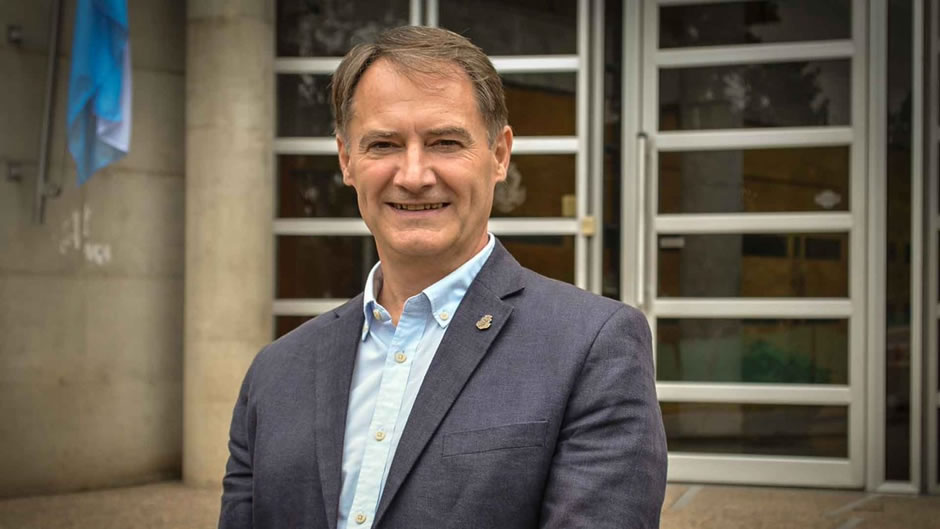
501,151
343,159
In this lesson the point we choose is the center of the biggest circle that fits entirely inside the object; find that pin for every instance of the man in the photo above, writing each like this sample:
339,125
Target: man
460,389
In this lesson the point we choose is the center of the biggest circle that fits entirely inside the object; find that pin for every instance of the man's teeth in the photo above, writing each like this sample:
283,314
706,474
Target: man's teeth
418,207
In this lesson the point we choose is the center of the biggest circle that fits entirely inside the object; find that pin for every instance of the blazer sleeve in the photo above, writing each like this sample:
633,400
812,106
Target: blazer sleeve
609,467
237,484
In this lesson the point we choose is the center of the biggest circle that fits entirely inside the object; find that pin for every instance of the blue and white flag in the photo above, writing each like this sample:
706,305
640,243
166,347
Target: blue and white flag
99,105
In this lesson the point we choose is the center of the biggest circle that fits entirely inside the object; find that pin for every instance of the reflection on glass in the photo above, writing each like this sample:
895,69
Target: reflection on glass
312,186
303,105
286,324
323,28
323,267
785,94
754,265
541,104
757,429
551,256
753,22
746,350
897,291
514,27
754,180
536,185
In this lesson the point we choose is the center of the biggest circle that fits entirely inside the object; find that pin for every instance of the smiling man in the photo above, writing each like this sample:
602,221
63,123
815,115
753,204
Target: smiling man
459,389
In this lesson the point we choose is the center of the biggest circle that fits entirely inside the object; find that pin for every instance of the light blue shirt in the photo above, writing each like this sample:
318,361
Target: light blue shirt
390,367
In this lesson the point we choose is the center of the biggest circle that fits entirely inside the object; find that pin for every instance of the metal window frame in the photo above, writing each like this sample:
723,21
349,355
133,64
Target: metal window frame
932,220
877,186
797,471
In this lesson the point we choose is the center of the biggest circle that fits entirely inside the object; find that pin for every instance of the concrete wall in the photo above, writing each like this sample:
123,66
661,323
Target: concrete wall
91,302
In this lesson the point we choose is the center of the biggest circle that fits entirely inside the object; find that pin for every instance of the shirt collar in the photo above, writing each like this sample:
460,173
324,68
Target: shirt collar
444,295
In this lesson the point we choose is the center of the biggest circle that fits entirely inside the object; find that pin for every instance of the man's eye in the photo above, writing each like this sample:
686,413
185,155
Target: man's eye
447,144
381,145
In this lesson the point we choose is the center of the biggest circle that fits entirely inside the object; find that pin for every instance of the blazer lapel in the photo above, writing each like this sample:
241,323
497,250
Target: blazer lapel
335,363
461,350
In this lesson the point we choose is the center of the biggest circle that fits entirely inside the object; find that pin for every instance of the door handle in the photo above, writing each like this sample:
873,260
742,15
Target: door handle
643,222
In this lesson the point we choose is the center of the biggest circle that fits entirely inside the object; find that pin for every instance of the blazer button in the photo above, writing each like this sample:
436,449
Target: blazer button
360,518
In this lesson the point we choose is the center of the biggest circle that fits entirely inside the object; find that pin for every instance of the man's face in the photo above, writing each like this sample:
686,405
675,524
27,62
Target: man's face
420,160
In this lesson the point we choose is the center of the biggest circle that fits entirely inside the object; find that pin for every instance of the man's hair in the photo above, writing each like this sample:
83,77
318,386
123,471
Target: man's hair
418,50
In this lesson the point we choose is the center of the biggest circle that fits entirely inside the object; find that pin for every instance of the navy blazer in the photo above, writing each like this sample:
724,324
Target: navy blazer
548,418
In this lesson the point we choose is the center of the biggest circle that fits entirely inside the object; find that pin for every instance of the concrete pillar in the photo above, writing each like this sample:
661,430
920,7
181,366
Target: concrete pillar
229,201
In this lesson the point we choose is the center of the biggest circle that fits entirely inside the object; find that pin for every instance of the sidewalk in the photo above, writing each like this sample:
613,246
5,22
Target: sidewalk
172,506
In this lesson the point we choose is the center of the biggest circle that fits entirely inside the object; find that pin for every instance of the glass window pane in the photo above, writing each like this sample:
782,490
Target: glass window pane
754,22
303,105
514,27
286,324
750,350
754,180
785,94
757,429
312,186
541,104
551,256
897,300
537,185
323,266
318,28
754,265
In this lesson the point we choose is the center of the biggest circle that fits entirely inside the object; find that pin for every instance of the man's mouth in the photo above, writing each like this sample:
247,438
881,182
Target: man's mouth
418,207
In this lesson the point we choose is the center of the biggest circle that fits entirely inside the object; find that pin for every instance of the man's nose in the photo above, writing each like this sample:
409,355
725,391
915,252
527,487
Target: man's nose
414,173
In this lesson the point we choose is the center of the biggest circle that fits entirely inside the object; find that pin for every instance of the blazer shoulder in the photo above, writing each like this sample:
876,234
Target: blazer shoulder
565,297
302,342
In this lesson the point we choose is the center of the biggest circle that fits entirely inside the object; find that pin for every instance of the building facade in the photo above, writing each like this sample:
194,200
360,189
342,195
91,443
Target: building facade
760,177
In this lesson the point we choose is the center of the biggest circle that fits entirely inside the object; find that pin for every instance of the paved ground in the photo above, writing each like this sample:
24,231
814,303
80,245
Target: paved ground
173,506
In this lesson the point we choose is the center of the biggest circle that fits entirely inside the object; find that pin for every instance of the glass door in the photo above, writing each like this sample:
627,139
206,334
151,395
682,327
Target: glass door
750,195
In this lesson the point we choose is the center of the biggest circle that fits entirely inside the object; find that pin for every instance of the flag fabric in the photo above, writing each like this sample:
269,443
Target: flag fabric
99,102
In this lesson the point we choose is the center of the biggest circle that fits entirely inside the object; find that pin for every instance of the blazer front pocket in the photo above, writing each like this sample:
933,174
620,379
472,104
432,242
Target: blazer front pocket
520,435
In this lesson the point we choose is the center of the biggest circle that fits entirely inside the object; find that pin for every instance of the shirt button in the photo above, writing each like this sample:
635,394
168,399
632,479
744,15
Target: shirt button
400,357
360,518
379,436
444,316
376,314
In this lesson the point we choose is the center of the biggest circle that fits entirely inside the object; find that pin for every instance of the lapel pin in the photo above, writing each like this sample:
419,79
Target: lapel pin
485,322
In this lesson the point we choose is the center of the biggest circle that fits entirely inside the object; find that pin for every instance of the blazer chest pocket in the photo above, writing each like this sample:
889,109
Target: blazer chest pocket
520,435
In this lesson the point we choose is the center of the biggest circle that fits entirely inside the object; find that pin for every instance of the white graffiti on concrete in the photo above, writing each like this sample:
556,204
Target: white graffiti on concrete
76,236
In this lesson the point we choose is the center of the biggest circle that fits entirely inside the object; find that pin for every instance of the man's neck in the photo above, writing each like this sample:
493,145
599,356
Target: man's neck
404,277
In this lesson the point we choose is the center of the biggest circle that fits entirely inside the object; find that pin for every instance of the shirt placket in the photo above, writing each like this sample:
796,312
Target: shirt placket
382,428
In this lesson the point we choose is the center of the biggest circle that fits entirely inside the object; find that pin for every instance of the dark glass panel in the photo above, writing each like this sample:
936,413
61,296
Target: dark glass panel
768,21
303,105
756,429
551,256
323,266
515,27
286,324
898,263
537,185
541,104
754,180
312,186
784,94
754,265
750,350
319,28
613,89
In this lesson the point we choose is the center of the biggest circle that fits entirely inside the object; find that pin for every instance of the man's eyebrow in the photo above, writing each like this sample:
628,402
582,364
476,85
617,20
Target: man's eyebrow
373,135
459,132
